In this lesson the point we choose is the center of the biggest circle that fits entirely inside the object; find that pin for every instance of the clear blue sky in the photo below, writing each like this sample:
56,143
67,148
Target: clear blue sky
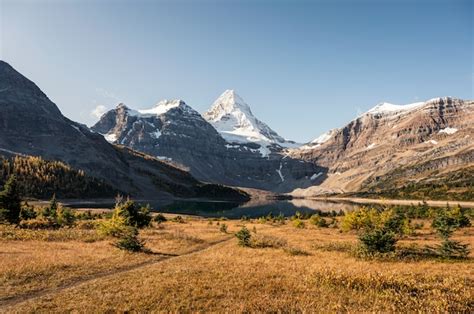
303,66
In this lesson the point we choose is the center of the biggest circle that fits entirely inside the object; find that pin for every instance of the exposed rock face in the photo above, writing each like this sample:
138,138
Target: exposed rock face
31,124
436,135
173,131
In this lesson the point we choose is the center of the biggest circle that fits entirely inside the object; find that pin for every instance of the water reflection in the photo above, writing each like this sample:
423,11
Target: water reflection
251,209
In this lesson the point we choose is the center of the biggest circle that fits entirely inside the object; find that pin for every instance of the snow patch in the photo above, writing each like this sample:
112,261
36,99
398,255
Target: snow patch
156,134
323,138
110,137
371,146
448,131
264,151
77,129
279,172
164,158
432,142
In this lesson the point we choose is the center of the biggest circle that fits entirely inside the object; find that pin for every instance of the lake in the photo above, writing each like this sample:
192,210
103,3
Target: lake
252,209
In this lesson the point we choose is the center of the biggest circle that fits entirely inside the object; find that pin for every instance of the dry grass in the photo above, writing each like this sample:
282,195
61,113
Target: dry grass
226,277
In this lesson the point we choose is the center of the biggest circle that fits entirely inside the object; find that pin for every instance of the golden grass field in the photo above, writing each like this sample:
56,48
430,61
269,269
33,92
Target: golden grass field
196,267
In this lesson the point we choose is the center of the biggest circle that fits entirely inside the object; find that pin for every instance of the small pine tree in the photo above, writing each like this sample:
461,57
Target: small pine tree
27,212
10,201
244,236
52,210
446,221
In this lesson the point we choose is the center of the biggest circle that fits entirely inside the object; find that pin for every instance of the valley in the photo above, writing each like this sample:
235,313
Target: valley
236,156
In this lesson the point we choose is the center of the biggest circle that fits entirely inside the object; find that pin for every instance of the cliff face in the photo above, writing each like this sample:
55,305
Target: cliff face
434,136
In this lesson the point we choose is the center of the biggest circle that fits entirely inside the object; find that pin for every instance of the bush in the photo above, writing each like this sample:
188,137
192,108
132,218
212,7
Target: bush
294,251
223,228
88,215
50,212
27,212
159,218
445,222
244,236
263,241
378,241
318,221
129,241
363,218
133,214
65,217
298,223
86,224
180,220
38,223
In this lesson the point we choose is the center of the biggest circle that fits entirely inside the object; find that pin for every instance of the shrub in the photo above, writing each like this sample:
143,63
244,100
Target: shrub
159,218
88,215
86,224
280,218
65,216
378,241
294,251
318,221
363,218
50,212
38,223
298,223
27,212
223,228
445,222
180,220
129,241
263,241
133,214
244,236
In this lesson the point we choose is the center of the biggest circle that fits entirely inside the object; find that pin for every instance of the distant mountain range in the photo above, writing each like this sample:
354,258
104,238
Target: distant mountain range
158,151
228,144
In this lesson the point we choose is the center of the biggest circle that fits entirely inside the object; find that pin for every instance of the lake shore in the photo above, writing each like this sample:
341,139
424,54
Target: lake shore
360,200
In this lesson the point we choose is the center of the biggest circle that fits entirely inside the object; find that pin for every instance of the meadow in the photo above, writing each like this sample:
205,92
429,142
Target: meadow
196,264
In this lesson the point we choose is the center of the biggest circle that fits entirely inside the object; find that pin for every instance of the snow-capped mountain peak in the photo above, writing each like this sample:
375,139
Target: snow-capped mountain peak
228,102
388,108
232,117
163,106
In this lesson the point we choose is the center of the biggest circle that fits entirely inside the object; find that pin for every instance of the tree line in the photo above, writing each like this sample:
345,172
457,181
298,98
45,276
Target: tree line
39,178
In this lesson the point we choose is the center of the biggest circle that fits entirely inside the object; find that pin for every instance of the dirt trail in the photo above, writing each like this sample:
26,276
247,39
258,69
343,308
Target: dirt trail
360,200
7,303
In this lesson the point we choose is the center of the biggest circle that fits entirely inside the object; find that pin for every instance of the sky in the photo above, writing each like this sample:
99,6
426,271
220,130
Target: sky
304,67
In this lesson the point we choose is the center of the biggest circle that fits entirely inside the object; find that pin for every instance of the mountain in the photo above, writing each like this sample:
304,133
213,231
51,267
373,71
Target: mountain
232,118
391,147
31,124
173,131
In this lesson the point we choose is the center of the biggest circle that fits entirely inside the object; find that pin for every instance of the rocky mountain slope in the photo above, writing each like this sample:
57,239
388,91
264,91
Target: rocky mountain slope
391,147
232,147
31,124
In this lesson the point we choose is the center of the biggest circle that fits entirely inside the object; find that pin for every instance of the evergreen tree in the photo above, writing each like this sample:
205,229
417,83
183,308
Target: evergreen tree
10,201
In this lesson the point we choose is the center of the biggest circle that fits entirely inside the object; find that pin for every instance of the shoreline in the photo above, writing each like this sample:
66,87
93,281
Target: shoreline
361,200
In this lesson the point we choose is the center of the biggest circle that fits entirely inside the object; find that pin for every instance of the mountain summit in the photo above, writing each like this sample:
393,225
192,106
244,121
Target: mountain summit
232,117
